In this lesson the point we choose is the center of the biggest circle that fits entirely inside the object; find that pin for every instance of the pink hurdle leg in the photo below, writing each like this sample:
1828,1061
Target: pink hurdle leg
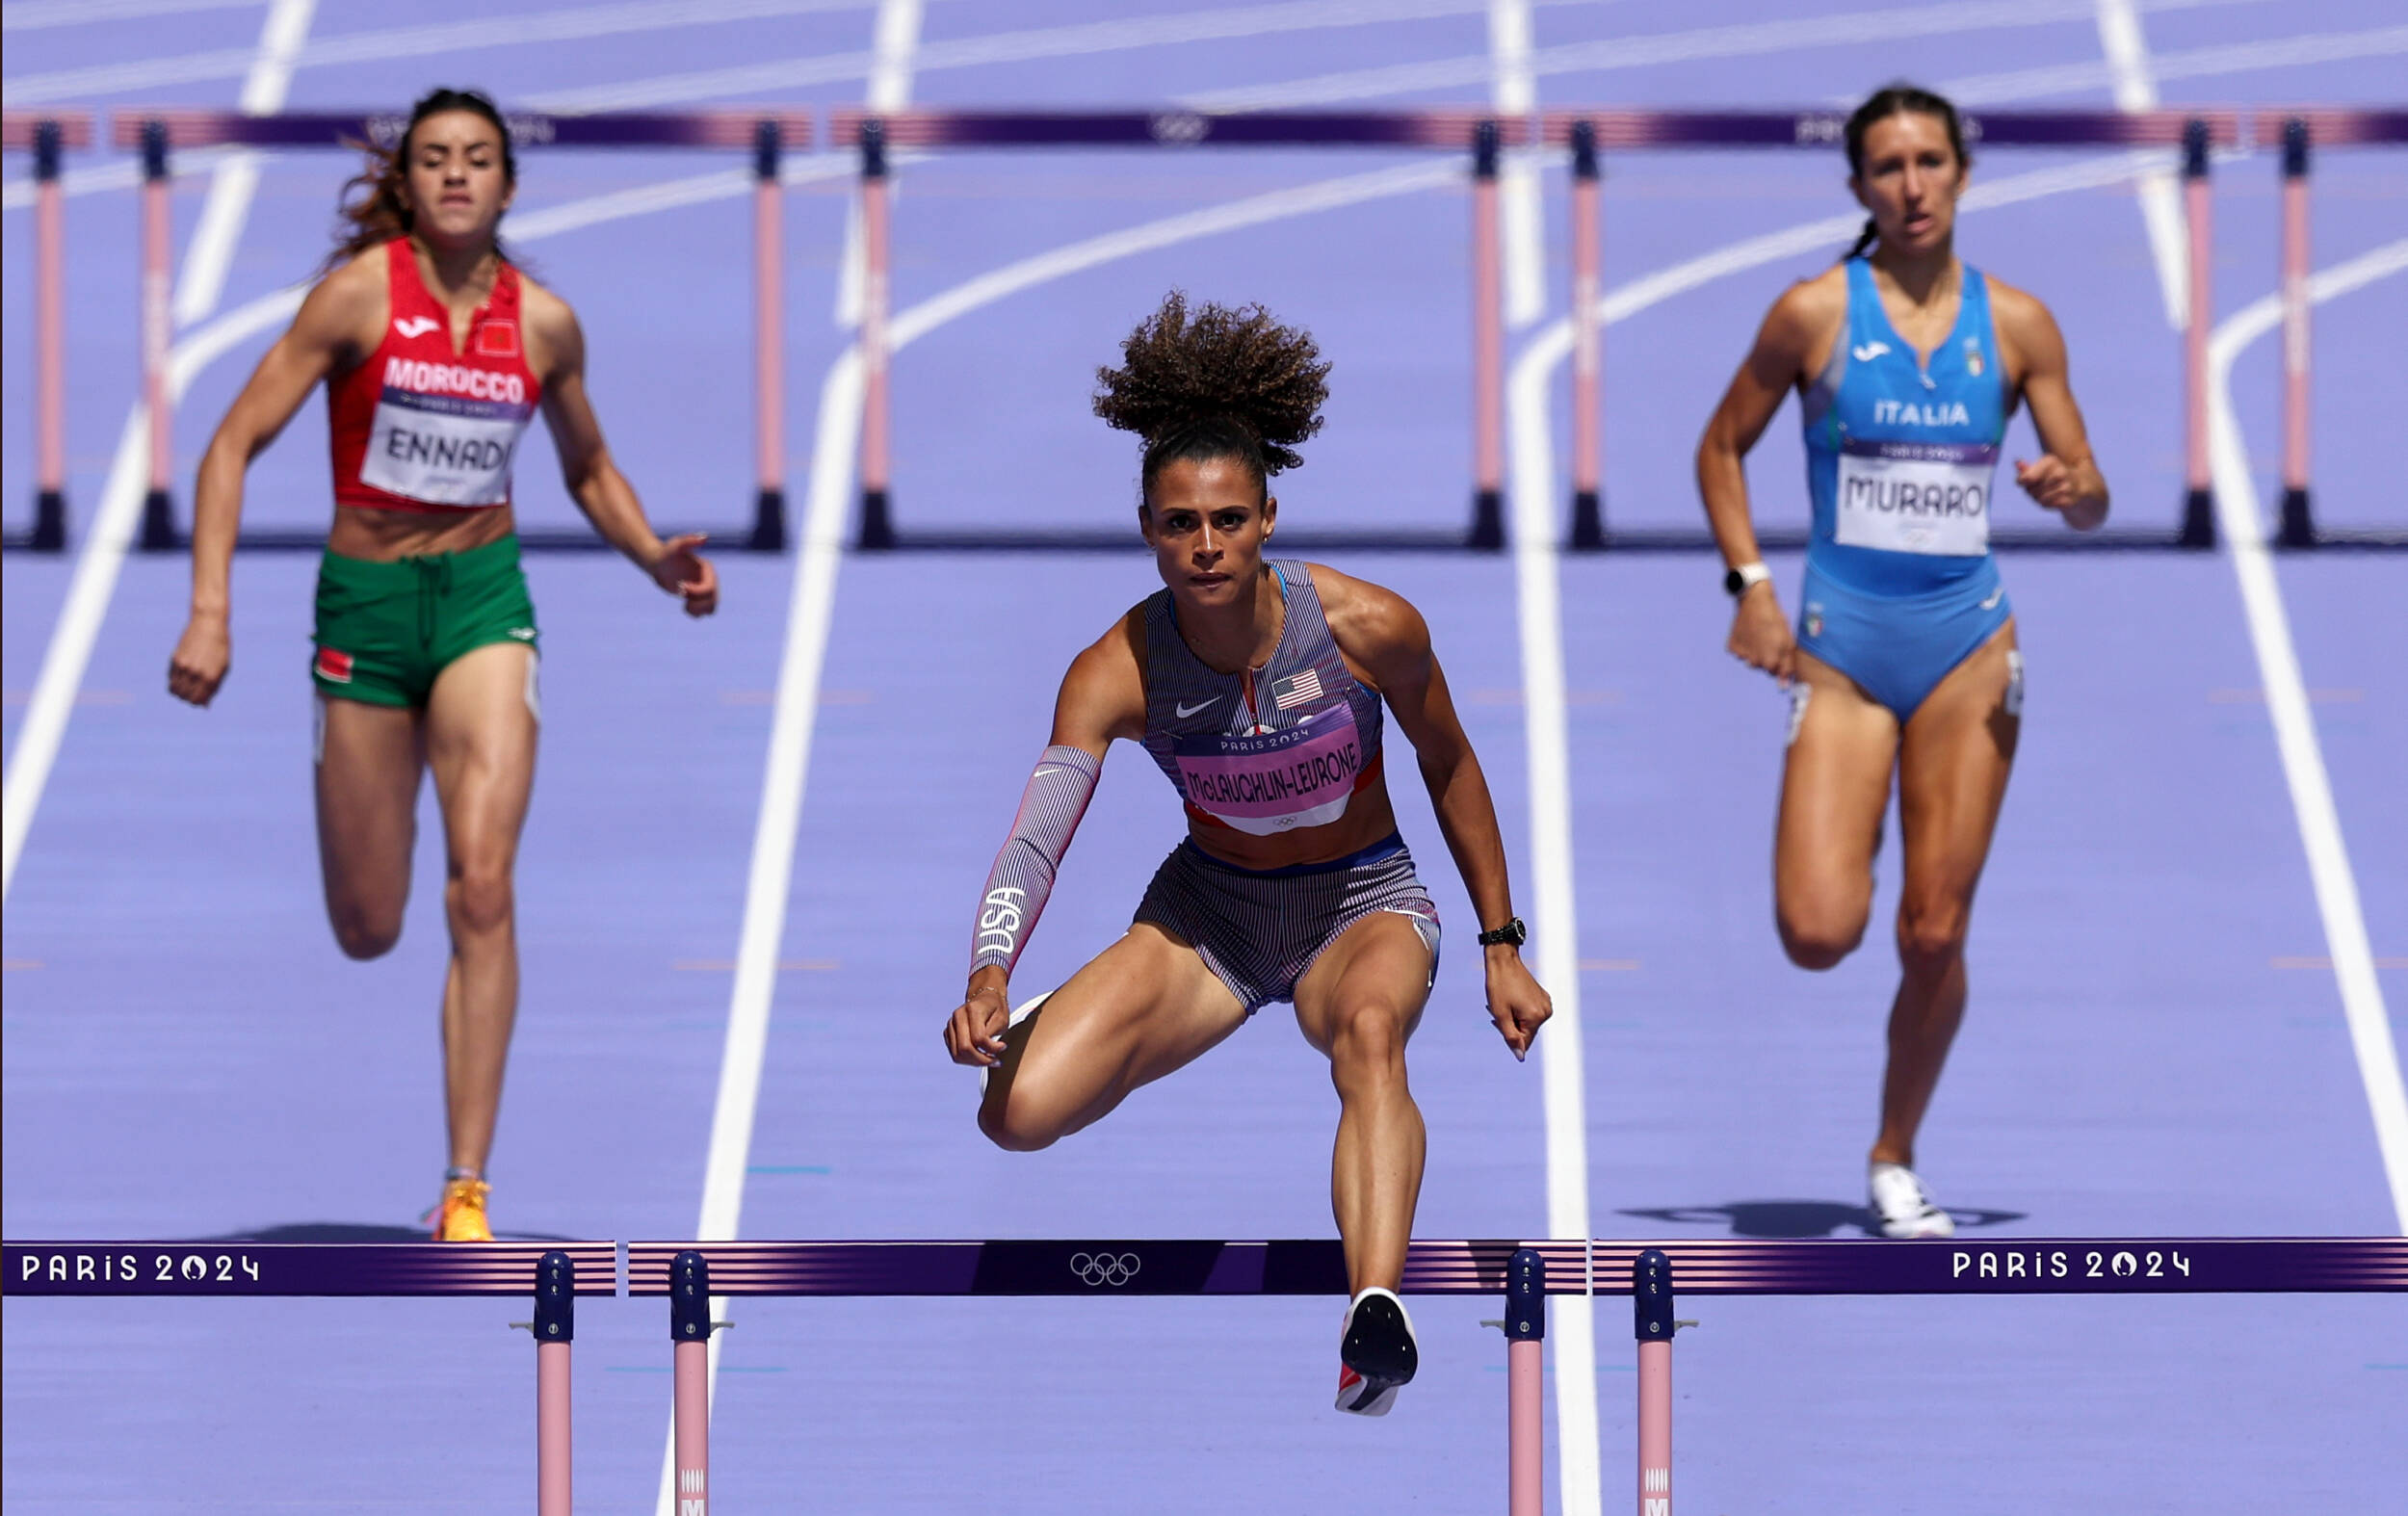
2298,523
2199,495
878,528
1526,1379
157,335
1651,1303
554,1327
1589,524
50,344
1488,347
690,1329
769,339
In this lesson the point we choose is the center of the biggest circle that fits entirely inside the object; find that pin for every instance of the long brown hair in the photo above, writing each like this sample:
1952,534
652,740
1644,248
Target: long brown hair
1898,99
375,206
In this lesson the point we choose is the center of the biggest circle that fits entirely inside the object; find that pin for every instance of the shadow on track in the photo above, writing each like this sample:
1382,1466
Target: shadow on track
361,1232
1792,1219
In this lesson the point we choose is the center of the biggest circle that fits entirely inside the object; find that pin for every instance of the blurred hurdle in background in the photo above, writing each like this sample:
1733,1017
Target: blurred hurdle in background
2300,132
694,1277
1591,131
47,135
767,133
1458,130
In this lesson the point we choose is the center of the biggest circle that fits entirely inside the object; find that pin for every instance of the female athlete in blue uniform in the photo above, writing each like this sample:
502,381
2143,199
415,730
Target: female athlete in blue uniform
1907,363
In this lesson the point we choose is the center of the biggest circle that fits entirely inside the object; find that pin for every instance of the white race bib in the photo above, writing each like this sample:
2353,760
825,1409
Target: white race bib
1916,497
443,450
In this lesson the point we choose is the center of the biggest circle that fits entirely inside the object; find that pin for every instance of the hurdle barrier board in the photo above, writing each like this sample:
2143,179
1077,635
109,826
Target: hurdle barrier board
768,134
47,135
692,1274
1589,132
875,134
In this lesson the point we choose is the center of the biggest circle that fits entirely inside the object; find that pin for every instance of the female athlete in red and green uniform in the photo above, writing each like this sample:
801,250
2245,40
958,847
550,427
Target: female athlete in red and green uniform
436,354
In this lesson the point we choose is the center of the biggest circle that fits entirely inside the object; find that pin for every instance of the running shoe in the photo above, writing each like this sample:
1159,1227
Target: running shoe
1375,1353
460,1216
1900,1205
1026,1009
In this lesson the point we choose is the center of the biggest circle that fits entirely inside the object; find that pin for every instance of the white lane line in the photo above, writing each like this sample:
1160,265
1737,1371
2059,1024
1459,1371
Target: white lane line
34,16
1081,40
95,577
2161,202
1849,29
439,38
1515,95
2243,530
2198,63
219,229
2240,517
891,54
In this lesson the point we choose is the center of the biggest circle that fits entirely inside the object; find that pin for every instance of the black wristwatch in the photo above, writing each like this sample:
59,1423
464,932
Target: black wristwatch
1512,934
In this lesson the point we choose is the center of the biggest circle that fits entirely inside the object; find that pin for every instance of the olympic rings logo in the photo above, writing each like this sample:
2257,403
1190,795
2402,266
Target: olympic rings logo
1179,127
1104,1268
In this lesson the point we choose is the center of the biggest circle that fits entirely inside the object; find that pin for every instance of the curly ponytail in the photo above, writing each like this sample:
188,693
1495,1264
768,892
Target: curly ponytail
1219,382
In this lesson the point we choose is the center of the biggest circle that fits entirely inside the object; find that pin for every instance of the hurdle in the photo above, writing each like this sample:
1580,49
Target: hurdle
2300,132
1587,132
552,1274
768,134
875,134
47,135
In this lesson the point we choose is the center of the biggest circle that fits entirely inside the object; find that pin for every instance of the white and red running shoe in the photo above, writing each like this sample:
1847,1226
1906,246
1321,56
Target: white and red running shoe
1375,1353
1900,1206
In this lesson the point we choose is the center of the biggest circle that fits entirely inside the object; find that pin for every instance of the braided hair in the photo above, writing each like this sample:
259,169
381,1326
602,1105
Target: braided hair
375,206
1216,382
1898,99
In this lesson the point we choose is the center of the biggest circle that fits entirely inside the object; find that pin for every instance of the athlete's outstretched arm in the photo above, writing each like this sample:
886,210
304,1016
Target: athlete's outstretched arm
1103,697
557,347
1380,630
2066,479
326,332
1760,634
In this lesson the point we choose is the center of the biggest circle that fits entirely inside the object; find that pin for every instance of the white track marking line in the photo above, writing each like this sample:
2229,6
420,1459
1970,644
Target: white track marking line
890,90
1849,29
2243,527
95,577
2237,516
1515,94
438,39
220,230
811,611
2198,63
2161,201
35,16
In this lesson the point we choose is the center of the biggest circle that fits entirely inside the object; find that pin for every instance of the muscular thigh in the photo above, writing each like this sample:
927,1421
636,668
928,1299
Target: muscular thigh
1141,1009
1834,787
369,760
1381,963
1953,769
480,743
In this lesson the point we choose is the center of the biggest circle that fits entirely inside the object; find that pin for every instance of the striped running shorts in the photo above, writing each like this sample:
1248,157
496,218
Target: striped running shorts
1259,931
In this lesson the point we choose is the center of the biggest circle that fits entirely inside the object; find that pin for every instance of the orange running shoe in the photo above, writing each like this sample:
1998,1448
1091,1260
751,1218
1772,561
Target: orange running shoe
460,1216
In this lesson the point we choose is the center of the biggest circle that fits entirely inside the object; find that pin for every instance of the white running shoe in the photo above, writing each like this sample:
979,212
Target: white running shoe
1025,1011
1900,1206
1375,1353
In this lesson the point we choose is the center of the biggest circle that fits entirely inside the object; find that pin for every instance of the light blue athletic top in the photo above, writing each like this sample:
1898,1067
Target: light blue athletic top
1900,458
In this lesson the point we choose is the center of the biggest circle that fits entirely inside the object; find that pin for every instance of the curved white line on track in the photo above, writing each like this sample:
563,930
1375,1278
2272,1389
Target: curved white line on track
94,581
2198,63
35,16
2242,523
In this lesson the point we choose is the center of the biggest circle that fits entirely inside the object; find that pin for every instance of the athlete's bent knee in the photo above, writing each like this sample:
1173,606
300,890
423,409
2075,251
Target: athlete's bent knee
1366,1040
362,934
1819,942
480,900
1011,1125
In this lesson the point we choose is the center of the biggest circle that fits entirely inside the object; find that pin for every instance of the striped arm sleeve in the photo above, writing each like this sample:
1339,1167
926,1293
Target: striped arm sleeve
1023,876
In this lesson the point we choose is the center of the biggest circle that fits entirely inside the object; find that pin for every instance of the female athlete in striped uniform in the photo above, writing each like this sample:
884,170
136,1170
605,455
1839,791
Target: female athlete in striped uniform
436,354
1256,686
1907,364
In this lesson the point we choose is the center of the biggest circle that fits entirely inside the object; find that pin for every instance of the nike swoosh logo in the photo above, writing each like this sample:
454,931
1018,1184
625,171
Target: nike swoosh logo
1042,772
525,634
1186,711
1995,596
1869,352
415,326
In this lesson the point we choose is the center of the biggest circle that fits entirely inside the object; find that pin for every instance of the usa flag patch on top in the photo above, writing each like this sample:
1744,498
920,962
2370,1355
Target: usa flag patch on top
1297,688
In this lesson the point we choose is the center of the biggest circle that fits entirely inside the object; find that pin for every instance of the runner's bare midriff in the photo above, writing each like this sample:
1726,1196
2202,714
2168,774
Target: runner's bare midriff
384,536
